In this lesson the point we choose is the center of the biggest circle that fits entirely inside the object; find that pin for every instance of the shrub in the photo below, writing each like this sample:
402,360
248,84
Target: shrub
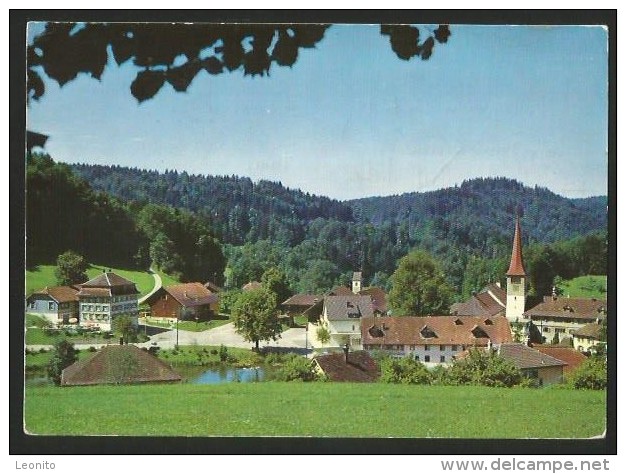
323,335
92,349
223,353
591,374
43,350
64,356
213,351
483,368
296,368
404,371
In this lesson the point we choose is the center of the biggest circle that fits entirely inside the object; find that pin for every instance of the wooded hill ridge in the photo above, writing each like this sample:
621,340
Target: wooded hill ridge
472,213
231,229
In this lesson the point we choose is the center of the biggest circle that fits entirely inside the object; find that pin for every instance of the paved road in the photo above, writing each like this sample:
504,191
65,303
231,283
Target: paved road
157,284
291,339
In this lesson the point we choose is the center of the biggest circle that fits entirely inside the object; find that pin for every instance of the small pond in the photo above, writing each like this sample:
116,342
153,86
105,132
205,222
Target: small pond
230,374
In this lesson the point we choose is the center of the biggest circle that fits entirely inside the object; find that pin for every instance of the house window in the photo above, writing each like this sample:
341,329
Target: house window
98,307
442,348
353,327
559,330
31,305
442,359
412,348
455,347
50,306
426,358
463,347
426,347
546,329
417,358
105,307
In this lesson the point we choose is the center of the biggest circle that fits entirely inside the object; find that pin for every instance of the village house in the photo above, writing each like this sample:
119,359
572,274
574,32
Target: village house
432,339
106,297
184,301
298,304
341,316
57,304
569,355
92,304
534,364
587,337
348,366
562,317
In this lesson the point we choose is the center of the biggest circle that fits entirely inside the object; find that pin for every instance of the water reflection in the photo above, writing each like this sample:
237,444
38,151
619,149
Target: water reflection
229,374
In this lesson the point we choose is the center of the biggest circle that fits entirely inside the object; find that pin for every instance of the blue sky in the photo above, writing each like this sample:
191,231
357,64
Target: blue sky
350,119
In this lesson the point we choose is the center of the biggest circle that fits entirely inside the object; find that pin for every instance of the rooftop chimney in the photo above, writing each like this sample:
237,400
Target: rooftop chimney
346,349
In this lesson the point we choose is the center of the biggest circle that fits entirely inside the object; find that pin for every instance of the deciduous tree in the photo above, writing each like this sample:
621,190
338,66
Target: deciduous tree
255,317
64,356
419,287
71,268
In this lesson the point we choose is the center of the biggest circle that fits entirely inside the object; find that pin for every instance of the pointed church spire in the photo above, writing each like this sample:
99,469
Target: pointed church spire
516,268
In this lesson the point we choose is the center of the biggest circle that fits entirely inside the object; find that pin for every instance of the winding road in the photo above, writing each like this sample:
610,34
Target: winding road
157,285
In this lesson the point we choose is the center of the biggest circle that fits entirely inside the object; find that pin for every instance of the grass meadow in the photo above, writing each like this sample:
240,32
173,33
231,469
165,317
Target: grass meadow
43,276
588,286
315,409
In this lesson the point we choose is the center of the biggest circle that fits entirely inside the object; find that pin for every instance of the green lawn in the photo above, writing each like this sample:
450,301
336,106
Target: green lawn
40,336
43,276
588,286
315,409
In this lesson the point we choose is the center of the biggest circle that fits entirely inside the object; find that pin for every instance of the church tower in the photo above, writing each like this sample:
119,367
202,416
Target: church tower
516,279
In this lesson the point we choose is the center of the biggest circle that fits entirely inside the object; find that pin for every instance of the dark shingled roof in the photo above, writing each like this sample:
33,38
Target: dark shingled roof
414,330
209,285
361,367
571,357
116,365
573,308
591,330
60,294
524,357
340,308
108,284
303,300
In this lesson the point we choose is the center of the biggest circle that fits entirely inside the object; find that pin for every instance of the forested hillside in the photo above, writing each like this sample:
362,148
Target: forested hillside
318,241
64,213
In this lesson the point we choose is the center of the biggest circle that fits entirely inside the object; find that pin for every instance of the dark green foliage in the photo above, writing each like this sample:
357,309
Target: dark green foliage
405,371
223,353
296,368
64,213
482,368
71,268
419,287
122,325
591,374
254,316
64,356
275,280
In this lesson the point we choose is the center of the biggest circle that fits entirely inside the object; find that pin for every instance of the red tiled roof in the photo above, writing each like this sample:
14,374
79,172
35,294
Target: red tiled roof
340,291
496,291
302,299
575,308
361,367
516,268
107,280
191,294
524,357
481,304
95,292
379,298
448,330
118,364
61,294
571,357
